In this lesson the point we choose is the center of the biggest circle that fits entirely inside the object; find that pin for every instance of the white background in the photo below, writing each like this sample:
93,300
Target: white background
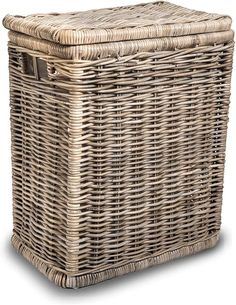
207,278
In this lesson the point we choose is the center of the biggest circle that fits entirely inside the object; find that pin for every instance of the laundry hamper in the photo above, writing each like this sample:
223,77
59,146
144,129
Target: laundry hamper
119,120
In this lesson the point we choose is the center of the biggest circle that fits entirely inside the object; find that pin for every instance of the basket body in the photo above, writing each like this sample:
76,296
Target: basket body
118,161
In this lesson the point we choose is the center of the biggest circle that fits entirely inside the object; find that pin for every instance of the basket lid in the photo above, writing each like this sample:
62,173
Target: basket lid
150,20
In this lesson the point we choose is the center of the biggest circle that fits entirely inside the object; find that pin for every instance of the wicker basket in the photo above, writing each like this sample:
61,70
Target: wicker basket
119,120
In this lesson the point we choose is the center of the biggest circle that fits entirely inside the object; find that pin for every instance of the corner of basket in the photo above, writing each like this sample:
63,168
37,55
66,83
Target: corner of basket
5,21
9,21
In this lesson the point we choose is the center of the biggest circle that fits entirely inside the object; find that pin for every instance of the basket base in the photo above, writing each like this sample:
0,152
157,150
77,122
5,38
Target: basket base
66,281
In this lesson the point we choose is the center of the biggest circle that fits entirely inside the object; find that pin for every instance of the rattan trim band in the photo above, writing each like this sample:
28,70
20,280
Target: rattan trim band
116,49
65,281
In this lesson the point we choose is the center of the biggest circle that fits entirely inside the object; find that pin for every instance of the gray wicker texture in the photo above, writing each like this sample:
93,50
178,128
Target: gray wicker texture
119,122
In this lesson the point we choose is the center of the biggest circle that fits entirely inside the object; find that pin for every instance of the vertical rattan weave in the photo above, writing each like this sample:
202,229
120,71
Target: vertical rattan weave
119,120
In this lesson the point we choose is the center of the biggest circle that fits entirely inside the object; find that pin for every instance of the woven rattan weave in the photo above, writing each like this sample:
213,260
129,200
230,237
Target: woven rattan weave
119,120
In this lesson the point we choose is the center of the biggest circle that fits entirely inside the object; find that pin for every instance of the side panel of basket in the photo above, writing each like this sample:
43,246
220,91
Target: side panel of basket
117,163
39,124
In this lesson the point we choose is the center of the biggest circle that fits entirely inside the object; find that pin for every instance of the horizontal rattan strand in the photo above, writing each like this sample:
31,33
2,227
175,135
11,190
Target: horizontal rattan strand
116,49
65,281
150,20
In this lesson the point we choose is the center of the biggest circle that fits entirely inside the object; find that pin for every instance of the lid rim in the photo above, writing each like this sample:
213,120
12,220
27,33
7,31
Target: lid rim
117,49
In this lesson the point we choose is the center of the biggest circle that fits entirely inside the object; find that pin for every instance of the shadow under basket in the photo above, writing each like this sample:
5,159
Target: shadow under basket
118,122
